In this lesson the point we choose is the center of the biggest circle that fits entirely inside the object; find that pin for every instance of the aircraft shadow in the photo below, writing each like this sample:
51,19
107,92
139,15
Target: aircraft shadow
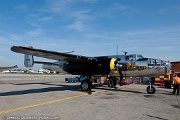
30,91
121,90
129,91
43,90
167,93
155,117
59,87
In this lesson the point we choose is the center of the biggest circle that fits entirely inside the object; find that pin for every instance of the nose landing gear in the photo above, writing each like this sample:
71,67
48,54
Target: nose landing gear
151,89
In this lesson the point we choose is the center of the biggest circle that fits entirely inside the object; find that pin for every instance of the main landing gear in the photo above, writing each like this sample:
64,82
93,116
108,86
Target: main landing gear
86,85
112,82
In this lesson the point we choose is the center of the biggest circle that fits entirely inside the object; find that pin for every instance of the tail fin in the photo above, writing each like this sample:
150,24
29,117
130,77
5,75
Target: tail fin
28,60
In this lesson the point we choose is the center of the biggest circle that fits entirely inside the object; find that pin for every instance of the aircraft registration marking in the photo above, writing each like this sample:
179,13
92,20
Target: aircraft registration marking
48,102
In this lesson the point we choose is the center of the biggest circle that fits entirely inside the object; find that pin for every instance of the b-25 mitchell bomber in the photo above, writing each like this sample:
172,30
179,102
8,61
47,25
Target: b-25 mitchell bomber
115,65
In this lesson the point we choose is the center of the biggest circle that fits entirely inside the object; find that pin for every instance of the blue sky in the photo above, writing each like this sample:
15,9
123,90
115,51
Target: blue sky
90,27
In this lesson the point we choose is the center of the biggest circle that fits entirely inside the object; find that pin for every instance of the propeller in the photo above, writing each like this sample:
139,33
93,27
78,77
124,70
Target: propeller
116,67
112,71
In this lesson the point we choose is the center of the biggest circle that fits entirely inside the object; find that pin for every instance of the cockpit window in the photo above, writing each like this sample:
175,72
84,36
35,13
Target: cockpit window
139,56
142,59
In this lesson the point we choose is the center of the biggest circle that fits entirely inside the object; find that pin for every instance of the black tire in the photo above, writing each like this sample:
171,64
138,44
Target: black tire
151,90
167,85
108,83
112,82
115,82
121,78
95,80
86,85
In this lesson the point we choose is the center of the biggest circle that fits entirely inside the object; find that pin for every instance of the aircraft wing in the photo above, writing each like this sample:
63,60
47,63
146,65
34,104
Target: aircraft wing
2,68
70,58
45,63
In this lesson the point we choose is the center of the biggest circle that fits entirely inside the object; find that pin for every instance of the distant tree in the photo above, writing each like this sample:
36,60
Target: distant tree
26,71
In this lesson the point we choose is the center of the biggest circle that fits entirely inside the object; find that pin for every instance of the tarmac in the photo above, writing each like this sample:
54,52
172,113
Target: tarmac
49,97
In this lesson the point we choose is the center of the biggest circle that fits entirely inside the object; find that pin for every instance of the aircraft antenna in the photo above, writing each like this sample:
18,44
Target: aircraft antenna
117,51
69,52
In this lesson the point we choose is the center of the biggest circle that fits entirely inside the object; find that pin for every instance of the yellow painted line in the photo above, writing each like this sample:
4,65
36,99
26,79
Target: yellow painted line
46,103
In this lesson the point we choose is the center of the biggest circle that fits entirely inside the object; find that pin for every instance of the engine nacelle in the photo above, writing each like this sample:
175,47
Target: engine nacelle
28,60
113,62
103,67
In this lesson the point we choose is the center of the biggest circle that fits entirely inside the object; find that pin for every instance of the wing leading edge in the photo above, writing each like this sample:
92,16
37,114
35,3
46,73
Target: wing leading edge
70,58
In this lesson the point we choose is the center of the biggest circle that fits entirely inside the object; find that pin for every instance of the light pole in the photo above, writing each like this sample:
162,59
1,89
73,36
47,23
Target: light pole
125,62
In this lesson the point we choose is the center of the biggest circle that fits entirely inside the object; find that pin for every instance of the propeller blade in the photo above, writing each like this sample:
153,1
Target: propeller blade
112,71
115,68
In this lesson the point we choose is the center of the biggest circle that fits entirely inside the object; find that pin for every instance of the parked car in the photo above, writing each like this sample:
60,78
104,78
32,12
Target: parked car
74,79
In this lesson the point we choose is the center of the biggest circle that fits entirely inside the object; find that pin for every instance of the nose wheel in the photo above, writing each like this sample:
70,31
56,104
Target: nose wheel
151,89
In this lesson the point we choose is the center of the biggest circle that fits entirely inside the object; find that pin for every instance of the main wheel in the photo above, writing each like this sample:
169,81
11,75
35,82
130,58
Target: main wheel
112,83
151,90
86,85
115,82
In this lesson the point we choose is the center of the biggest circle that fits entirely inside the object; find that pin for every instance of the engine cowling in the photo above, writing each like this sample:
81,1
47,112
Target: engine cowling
102,67
28,60
113,62
113,67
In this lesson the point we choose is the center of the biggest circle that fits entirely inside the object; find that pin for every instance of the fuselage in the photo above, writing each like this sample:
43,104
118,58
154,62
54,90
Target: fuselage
130,65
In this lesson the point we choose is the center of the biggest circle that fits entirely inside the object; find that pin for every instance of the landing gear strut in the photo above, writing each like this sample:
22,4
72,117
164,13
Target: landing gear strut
151,89
112,82
121,78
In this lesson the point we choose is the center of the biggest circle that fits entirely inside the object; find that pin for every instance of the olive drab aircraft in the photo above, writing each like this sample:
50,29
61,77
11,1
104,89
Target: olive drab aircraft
110,66
2,68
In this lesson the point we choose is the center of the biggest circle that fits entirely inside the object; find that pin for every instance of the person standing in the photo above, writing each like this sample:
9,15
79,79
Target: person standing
176,81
